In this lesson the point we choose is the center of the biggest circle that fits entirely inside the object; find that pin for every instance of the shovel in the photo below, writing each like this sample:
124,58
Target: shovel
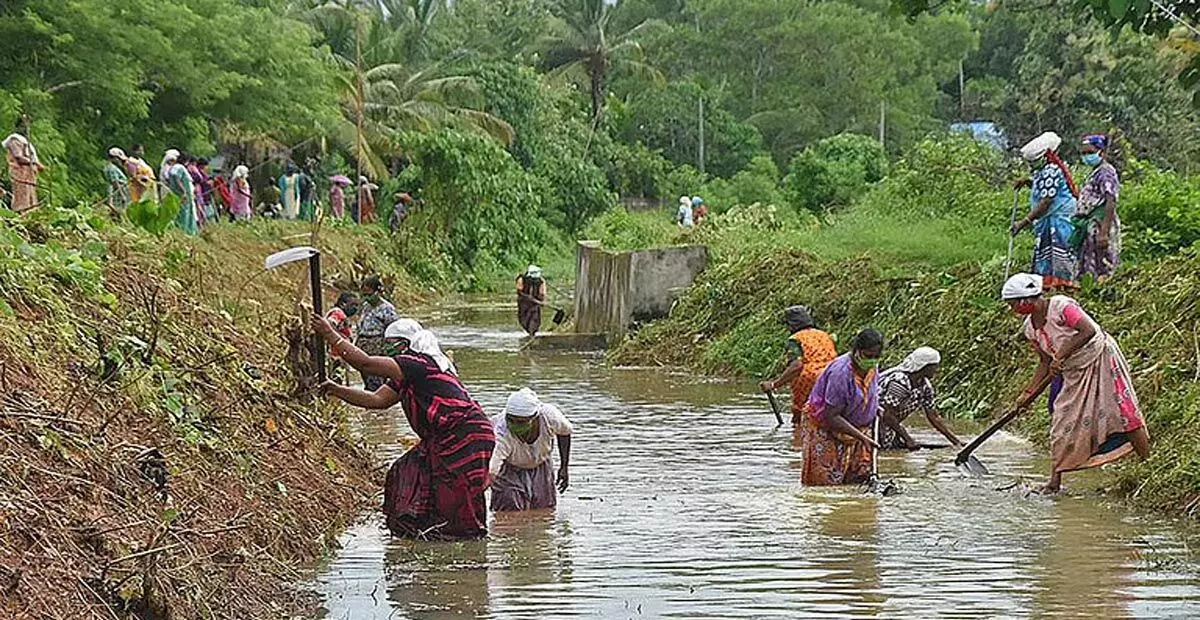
775,407
313,256
973,466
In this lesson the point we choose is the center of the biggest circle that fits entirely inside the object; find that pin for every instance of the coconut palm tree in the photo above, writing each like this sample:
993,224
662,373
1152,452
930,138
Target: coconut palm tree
387,93
579,42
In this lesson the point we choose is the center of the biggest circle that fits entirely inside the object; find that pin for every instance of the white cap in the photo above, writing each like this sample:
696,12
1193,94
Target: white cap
1037,147
116,152
402,328
1021,286
523,404
684,200
534,271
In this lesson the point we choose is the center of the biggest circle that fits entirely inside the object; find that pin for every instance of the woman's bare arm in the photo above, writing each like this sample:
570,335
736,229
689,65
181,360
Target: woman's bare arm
367,364
382,398
836,423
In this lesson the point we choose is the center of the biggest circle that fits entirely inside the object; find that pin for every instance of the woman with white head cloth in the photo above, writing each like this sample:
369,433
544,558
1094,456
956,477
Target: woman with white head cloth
684,217
118,183
436,490
531,294
1094,413
241,194
905,389
1052,202
521,472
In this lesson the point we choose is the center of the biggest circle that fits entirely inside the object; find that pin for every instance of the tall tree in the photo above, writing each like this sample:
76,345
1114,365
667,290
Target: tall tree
580,41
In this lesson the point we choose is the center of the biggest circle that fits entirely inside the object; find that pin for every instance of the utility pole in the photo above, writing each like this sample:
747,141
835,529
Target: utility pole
882,120
701,157
359,100
962,98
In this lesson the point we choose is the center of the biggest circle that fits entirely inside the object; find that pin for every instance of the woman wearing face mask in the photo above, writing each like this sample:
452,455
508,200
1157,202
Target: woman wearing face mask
521,471
1052,204
1094,413
377,314
905,389
1100,234
836,434
340,318
435,491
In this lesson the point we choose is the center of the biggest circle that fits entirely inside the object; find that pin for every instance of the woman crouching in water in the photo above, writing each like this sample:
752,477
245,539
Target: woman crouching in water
1094,414
434,491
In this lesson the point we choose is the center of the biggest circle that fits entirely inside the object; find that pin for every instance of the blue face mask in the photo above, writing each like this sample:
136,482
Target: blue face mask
1092,159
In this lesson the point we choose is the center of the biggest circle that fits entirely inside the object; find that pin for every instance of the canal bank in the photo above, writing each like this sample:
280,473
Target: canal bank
686,502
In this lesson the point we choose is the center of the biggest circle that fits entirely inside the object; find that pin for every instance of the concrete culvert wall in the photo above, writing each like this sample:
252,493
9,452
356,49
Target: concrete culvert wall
612,289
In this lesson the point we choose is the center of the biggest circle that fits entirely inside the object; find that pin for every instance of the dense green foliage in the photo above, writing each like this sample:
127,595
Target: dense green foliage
834,171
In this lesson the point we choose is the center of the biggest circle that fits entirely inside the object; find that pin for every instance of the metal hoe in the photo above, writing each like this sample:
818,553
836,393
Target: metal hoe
313,256
874,484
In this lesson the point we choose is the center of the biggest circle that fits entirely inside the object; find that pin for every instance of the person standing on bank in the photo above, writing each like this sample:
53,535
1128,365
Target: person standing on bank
836,435
436,490
809,351
903,390
377,314
1100,237
1095,417
531,294
521,473
1052,205
23,168
118,183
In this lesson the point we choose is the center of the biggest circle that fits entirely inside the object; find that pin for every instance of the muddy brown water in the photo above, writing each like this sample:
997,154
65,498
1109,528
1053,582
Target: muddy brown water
685,502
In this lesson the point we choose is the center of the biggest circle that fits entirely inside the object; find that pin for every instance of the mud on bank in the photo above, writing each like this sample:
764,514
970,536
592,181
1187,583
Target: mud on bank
729,323
156,460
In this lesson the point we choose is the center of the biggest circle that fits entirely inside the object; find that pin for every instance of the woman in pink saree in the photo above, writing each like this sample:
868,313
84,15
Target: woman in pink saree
23,170
1095,418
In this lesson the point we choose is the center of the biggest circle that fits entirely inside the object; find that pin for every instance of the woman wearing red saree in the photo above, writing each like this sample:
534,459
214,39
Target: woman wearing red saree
434,491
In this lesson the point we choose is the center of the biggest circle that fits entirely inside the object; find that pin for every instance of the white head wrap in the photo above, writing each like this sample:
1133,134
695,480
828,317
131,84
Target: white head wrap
920,358
403,328
1021,286
523,403
534,272
1037,147
116,152
684,200
425,342
170,156
241,172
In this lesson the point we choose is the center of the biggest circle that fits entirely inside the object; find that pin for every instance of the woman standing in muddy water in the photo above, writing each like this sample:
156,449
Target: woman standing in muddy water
376,314
435,491
809,351
836,434
1094,413
531,293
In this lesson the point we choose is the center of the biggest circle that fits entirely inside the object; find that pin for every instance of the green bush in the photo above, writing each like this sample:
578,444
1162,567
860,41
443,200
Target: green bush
834,171
758,182
1160,212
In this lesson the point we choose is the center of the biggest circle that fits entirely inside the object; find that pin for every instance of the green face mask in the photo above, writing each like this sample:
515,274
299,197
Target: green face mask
394,348
865,363
372,298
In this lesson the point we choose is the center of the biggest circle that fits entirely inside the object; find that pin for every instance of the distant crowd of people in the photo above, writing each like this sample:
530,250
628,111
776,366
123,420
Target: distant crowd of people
205,196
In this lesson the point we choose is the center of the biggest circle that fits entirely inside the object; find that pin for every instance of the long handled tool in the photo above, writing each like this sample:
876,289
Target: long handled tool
559,313
313,255
1011,221
775,407
874,484
974,466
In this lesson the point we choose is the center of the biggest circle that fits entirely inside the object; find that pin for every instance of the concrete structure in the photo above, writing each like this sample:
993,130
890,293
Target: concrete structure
613,289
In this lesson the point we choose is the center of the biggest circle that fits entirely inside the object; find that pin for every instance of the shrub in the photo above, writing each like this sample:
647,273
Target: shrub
1159,212
757,183
834,171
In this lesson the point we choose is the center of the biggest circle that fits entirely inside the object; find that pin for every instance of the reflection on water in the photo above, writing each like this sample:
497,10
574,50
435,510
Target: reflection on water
685,503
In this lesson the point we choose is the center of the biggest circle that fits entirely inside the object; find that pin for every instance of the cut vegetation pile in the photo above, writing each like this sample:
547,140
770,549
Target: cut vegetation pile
157,460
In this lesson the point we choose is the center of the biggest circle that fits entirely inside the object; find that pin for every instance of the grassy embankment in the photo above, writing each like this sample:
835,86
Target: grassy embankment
157,459
921,258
